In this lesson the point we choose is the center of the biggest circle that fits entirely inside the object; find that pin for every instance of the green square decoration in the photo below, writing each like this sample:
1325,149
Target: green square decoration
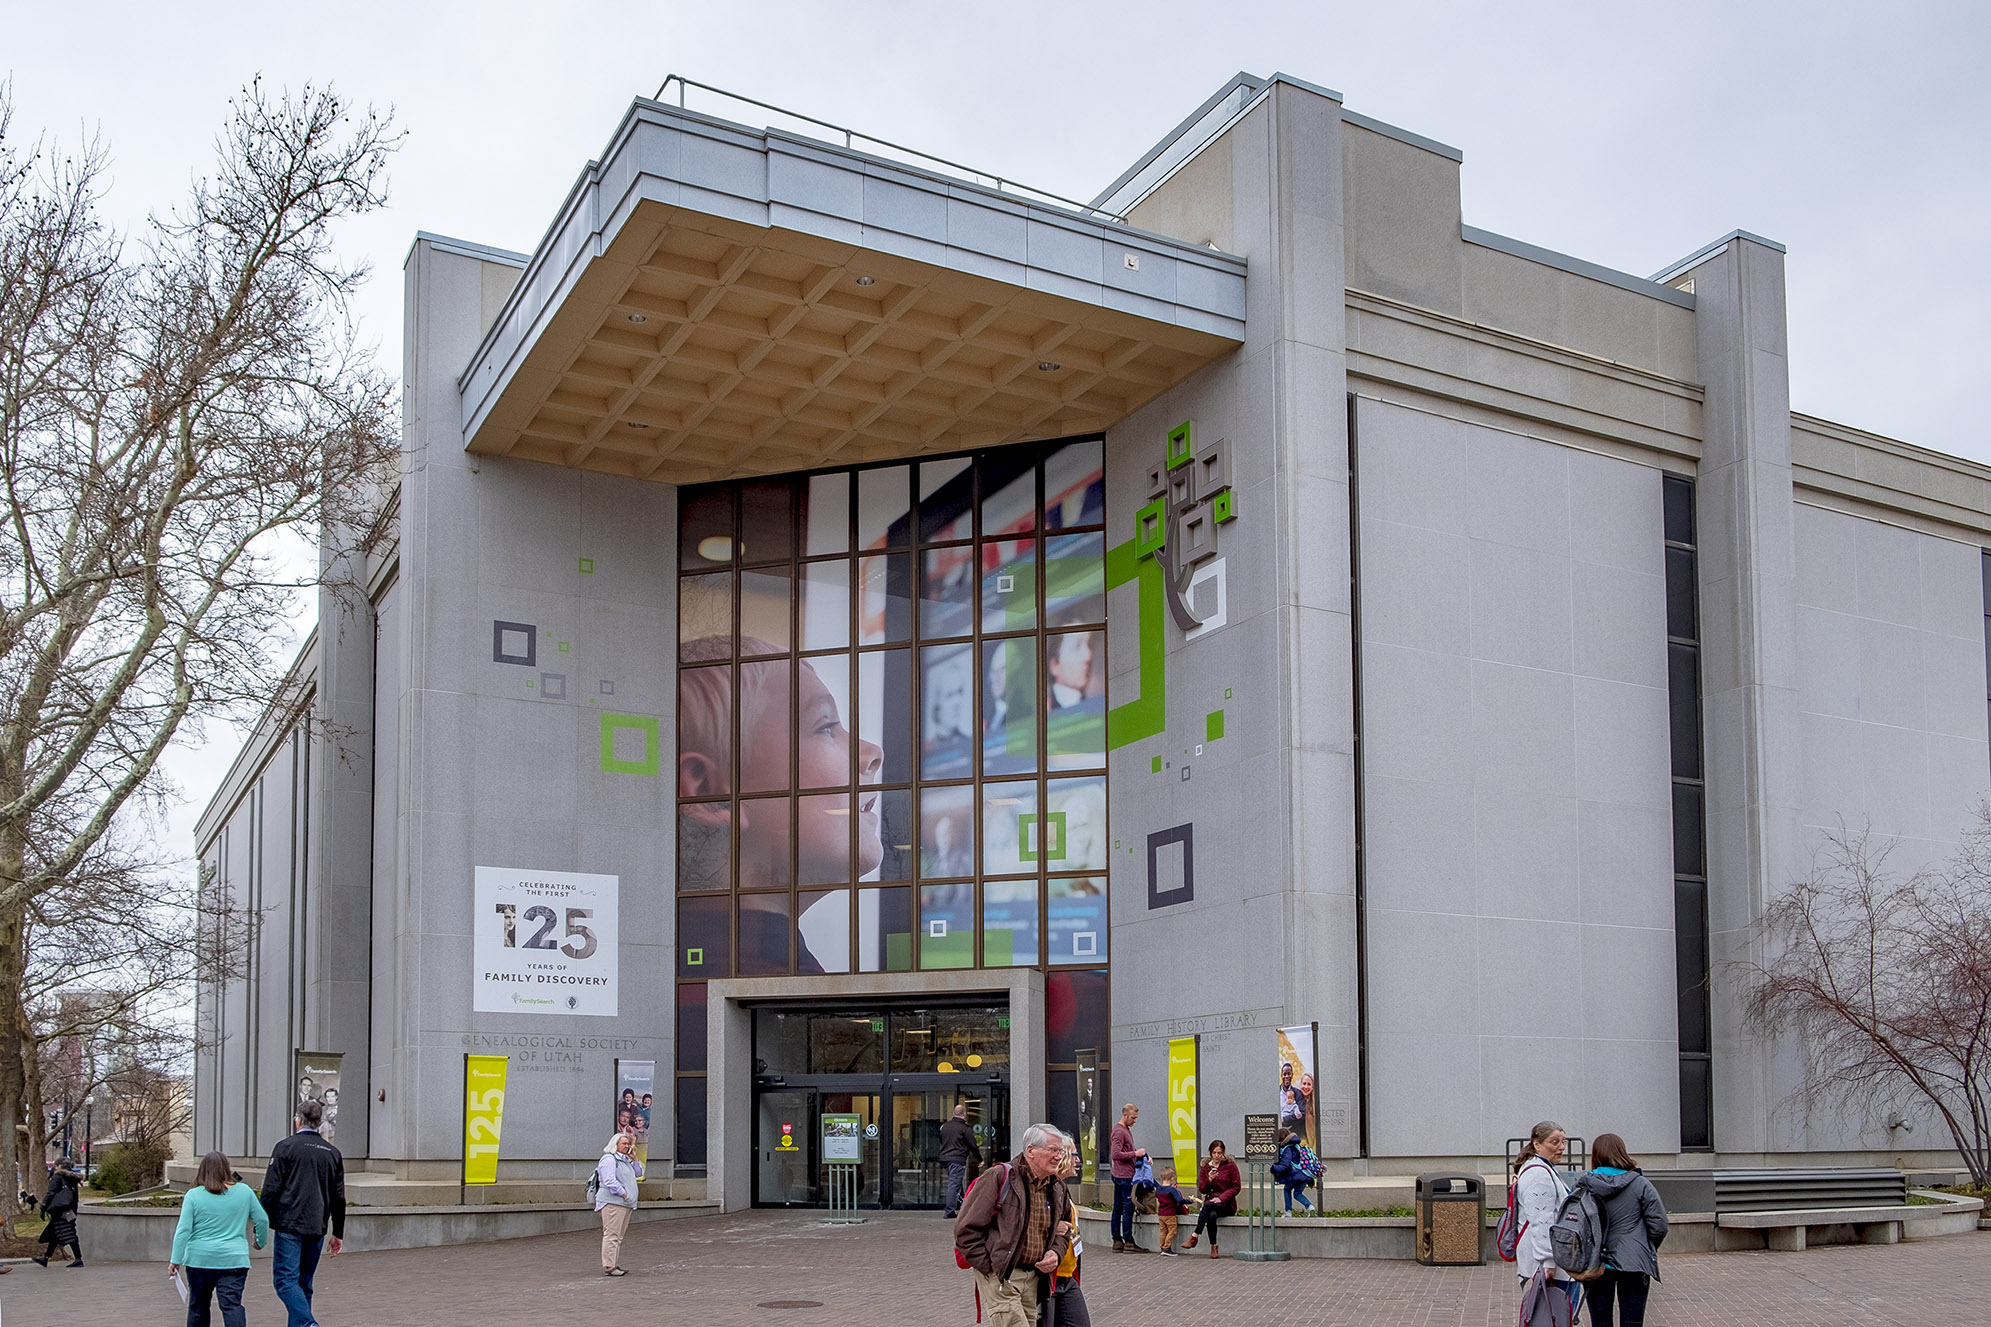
1150,528
694,958
1213,725
1224,506
653,745
587,566
1154,765
1053,826
1181,444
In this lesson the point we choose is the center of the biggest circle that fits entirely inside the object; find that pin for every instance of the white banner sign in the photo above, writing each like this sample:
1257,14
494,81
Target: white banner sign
545,942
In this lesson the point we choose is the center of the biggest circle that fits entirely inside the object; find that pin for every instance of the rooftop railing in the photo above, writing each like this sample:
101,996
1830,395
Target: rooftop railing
858,141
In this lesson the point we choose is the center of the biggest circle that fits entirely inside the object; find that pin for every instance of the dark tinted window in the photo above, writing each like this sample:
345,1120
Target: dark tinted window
1683,675
1682,614
1679,510
1687,830
690,1122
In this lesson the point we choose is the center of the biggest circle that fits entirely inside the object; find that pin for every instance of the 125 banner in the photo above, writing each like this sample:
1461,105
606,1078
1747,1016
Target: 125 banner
483,1116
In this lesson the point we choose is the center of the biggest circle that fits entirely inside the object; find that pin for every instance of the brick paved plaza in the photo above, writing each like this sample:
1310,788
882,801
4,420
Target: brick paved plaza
898,1268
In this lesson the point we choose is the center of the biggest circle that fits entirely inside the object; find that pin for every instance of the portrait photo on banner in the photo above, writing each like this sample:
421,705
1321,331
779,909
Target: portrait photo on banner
635,1089
1298,1101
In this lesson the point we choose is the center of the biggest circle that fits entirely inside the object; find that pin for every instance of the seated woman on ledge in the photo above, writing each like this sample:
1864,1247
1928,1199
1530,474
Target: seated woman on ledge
1217,1180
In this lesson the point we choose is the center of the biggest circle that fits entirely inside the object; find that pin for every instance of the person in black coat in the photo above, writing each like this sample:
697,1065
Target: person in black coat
64,1196
304,1191
1634,1227
959,1156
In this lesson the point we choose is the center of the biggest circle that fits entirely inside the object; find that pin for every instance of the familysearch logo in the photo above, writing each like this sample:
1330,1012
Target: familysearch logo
1189,498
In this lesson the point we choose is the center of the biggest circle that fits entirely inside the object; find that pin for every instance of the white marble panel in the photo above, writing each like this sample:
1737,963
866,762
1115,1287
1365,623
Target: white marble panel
1520,606
1414,587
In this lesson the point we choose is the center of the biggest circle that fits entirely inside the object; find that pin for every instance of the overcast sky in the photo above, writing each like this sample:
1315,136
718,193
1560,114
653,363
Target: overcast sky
1854,134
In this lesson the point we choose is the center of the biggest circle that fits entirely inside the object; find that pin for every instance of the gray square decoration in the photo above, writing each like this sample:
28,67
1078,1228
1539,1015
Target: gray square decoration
1171,863
514,643
553,686
607,687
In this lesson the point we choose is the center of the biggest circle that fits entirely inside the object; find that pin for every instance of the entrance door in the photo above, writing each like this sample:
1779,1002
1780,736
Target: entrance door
785,1141
988,1116
918,1179
916,1121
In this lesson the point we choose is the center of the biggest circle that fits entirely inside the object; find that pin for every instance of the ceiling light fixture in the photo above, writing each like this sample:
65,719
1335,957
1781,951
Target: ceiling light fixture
639,318
867,281
1046,366
633,424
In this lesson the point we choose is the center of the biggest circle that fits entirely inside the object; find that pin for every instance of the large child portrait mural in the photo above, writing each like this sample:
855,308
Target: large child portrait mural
817,848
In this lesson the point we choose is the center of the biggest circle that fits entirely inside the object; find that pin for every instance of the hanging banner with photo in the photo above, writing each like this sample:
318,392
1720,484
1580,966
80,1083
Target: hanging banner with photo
483,1116
544,942
317,1079
635,1086
1184,1120
1088,1116
1299,1097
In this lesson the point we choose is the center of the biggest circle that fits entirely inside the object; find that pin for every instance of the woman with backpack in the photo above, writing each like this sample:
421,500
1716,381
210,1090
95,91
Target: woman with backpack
614,1184
1538,1194
1295,1169
1634,1227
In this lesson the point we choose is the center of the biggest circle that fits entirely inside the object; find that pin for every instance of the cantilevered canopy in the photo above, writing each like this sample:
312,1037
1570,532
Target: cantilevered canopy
717,301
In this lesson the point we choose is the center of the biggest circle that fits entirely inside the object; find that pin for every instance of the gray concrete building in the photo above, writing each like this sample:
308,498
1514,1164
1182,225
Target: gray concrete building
958,643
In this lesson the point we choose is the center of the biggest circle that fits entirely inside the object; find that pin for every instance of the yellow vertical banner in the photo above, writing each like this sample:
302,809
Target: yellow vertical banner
1183,1120
483,1116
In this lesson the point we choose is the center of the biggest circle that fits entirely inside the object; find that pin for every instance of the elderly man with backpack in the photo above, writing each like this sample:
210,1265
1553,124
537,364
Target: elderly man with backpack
1014,1229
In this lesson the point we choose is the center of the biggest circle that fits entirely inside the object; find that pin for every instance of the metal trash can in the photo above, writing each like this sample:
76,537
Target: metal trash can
1451,1214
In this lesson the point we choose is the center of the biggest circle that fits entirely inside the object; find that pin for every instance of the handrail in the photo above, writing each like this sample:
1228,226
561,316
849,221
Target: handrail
852,136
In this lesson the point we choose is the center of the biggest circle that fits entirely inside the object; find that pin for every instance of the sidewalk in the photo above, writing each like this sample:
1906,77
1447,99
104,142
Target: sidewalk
729,1271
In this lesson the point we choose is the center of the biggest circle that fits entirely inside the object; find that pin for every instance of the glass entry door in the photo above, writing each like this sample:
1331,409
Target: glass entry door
785,1146
916,1121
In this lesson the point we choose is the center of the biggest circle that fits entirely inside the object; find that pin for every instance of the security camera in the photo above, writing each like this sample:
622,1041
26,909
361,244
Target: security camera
1899,1121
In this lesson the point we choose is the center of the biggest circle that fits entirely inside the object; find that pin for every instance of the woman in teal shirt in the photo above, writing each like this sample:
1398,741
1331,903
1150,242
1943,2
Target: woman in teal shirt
212,1243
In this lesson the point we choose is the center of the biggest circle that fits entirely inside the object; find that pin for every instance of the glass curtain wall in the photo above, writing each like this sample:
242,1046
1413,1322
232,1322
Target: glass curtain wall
892,731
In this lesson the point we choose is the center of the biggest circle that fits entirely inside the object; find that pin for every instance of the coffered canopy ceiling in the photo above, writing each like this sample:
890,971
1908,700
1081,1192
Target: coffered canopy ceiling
751,302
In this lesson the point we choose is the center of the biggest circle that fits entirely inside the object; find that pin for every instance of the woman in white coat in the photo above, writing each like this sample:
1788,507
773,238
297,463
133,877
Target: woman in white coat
1538,1193
615,1199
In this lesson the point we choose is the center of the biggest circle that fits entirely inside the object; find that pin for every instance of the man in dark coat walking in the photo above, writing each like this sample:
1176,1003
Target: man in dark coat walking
957,1151
304,1191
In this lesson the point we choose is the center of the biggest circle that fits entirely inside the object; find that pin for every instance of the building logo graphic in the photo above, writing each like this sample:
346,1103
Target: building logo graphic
1189,498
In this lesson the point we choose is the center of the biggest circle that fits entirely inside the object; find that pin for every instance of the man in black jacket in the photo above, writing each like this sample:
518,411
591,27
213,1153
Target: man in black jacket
957,1153
303,1190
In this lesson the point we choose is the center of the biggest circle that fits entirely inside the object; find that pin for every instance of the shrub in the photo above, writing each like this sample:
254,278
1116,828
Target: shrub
130,1166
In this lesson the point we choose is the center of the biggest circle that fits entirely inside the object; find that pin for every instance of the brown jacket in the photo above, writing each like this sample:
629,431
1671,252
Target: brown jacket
990,1239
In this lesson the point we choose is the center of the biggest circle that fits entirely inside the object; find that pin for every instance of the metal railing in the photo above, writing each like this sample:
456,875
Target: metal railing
852,138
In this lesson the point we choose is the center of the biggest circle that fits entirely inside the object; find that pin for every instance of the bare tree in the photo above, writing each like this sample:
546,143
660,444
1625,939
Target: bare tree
1885,979
176,414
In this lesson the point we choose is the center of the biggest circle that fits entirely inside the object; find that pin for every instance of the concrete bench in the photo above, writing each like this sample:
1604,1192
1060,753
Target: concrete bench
1792,1231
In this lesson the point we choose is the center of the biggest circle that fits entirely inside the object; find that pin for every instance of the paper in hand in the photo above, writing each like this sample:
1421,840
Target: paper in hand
180,1284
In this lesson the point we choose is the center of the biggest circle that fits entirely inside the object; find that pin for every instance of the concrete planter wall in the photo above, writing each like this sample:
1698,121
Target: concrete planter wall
1395,1236
145,1234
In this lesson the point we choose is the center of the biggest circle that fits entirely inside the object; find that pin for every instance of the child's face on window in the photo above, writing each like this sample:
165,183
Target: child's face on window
822,760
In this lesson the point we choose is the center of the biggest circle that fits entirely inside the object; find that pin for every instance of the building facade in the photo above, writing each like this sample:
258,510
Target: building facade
854,640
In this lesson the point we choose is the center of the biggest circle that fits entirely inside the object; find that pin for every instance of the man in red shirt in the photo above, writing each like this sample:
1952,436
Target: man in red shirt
1124,1154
